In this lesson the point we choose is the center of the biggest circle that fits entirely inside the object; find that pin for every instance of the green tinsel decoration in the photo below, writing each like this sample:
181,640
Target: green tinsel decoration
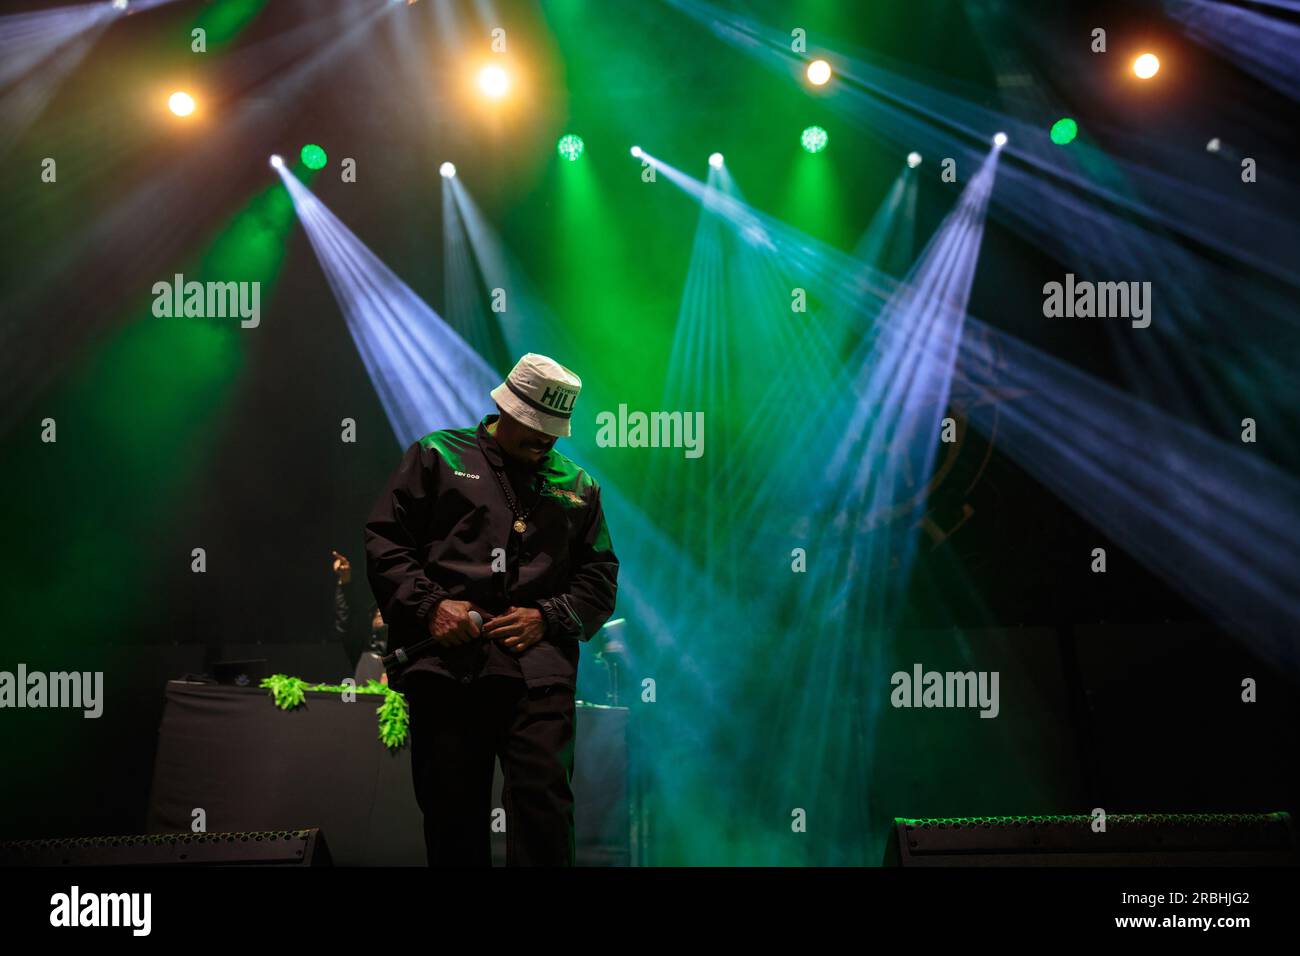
288,692
394,716
394,719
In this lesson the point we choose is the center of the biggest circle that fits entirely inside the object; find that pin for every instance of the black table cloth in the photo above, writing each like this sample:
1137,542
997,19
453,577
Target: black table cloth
248,765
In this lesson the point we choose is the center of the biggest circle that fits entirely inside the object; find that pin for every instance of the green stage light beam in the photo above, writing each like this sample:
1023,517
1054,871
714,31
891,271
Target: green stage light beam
465,306
223,21
814,198
145,393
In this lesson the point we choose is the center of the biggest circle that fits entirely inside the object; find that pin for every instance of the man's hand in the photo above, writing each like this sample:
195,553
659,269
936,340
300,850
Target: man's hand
518,629
450,624
342,569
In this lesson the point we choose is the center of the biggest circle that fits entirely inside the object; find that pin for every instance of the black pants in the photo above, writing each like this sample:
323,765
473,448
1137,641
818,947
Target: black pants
456,731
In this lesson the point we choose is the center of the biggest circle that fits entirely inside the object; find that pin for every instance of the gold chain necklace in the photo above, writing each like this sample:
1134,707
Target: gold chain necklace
520,526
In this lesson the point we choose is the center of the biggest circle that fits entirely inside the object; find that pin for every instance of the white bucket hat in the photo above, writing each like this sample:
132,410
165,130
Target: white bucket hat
539,392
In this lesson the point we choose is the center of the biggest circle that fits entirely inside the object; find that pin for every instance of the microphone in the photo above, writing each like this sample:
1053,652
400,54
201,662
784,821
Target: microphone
612,655
404,655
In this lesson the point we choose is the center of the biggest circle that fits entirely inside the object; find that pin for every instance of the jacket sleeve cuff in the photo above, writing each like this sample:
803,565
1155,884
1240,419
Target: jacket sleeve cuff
559,622
427,606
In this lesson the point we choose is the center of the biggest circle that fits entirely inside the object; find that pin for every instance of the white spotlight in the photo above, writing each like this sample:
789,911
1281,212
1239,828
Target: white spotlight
120,4
636,151
716,160
818,72
1213,145
448,170
1146,66
277,161
181,103
493,81
1000,140
914,159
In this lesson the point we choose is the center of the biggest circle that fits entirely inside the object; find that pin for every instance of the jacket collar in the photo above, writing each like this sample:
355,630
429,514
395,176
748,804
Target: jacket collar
491,450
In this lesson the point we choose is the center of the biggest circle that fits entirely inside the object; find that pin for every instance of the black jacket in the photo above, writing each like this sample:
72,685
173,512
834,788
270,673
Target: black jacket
432,533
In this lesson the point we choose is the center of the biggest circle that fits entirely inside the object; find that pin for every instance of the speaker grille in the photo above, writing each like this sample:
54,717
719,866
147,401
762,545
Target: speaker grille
1072,836
254,846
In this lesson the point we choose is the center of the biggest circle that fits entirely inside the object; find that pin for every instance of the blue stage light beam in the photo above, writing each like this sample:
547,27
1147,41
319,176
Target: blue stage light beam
1291,5
824,627
791,355
1210,515
889,432
827,338
1262,45
886,244
425,375
1177,364
527,324
718,337
852,292
779,353
1215,520
907,114
448,21
38,51
1191,507
1166,439
884,430
862,508
487,14
464,303
1107,218
854,508
27,39
411,33
736,344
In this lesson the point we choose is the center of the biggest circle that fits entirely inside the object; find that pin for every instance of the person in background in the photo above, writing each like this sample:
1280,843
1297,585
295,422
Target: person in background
369,659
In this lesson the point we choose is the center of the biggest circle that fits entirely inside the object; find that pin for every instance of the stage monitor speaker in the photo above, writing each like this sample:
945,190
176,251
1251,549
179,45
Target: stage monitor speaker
1130,839
261,848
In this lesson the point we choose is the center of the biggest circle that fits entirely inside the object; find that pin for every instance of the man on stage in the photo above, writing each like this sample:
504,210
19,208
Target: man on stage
491,519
